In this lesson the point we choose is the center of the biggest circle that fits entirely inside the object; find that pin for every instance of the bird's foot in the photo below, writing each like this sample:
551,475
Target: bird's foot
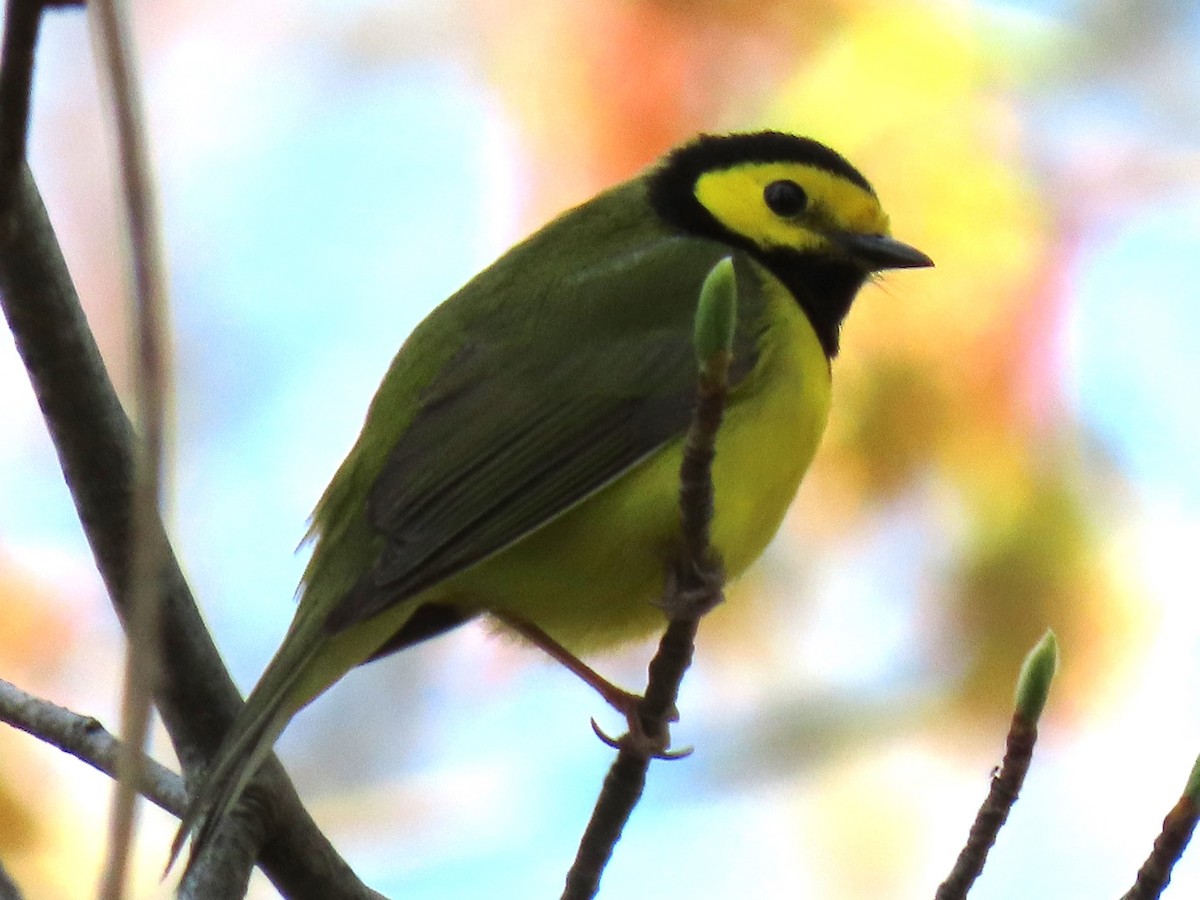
693,588
649,737
649,734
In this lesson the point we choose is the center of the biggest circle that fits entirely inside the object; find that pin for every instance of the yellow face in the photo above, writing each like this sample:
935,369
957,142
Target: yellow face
737,197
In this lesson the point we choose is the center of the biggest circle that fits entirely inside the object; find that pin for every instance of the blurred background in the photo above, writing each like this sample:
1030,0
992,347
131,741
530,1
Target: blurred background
1011,447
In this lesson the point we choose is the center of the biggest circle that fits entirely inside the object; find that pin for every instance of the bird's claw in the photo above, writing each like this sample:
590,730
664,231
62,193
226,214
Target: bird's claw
647,742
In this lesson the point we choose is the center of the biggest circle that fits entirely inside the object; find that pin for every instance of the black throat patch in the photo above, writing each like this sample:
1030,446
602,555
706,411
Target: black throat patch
824,288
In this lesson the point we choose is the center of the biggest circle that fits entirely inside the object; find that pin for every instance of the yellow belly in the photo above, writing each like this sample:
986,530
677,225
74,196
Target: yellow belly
589,578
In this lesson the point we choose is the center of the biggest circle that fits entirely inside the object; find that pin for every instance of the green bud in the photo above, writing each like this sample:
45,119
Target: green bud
716,313
1192,791
1033,684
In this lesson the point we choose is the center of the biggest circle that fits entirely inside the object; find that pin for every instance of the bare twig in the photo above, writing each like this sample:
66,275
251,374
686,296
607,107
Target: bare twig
1033,687
694,586
115,39
1155,873
1005,786
95,445
87,740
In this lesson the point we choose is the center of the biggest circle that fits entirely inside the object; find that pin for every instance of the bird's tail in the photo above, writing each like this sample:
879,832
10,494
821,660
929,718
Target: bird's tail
268,709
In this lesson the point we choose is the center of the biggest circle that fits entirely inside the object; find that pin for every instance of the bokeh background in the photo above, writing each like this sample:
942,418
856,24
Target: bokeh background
1011,447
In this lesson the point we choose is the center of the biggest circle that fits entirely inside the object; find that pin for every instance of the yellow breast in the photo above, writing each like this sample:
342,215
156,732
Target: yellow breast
590,577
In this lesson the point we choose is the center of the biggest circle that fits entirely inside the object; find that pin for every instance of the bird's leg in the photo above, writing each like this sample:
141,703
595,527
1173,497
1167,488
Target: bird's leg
623,701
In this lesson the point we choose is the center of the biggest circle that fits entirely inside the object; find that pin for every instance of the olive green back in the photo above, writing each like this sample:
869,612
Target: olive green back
579,364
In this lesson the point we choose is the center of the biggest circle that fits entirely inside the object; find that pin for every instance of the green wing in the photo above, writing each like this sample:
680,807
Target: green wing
536,412
528,390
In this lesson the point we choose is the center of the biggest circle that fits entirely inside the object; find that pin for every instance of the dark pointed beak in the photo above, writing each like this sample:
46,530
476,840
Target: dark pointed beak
876,252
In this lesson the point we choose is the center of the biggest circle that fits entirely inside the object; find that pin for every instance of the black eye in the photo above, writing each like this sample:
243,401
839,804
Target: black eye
785,198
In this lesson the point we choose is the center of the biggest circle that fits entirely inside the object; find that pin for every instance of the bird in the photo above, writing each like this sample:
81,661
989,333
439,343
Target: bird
520,458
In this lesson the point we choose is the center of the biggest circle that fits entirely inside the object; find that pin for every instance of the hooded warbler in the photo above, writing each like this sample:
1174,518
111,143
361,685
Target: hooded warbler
521,456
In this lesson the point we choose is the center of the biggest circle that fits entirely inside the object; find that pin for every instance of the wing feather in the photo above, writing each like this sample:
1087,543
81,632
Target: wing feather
524,423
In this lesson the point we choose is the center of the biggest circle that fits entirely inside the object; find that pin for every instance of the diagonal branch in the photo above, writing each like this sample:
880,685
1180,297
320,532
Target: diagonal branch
1177,828
96,445
1155,873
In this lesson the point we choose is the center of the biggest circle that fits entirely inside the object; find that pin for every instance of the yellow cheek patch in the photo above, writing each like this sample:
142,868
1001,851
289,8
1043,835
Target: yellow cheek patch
735,199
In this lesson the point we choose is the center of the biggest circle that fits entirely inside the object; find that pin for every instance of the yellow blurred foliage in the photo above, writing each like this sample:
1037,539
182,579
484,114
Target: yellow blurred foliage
34,641
18,823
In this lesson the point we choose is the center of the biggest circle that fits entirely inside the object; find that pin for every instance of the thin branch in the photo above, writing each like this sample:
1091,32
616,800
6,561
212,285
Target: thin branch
1033,689
114,35
87,740
647,740
95,445
1002,794
694,587
619,794
1155,873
